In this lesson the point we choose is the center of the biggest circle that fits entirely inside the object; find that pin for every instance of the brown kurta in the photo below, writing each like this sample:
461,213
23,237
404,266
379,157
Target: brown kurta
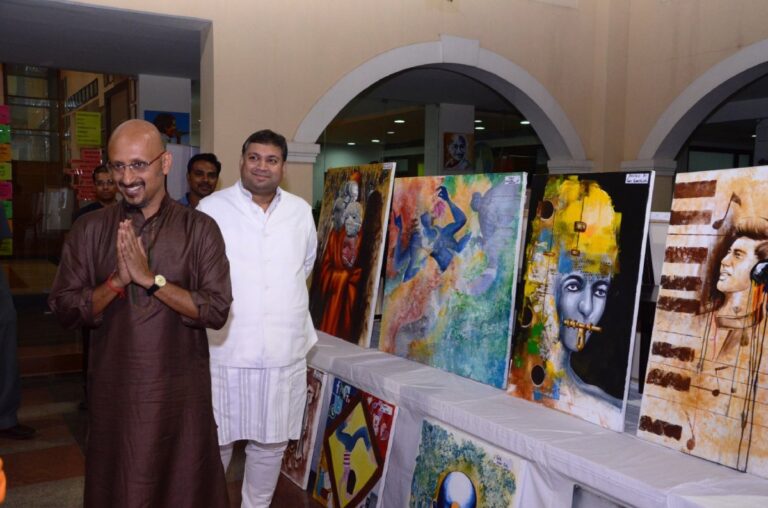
152,437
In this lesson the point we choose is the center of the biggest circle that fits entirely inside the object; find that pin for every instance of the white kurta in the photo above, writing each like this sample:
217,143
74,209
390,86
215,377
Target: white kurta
258,360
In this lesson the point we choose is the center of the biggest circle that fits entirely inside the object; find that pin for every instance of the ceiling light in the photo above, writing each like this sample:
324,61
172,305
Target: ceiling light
478,121
525,122
754,135
390,132
399,120
351,143
479,128
375,141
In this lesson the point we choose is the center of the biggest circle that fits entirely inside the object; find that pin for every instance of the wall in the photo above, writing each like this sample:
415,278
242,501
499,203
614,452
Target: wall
162,93
335,156
613,66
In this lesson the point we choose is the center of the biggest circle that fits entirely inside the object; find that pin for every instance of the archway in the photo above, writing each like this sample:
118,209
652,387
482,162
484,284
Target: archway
464,56
696,102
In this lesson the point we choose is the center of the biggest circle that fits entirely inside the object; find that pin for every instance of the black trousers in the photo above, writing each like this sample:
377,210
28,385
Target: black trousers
10,384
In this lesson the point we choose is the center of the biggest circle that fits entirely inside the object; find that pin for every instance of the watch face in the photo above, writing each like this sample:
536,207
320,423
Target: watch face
160,280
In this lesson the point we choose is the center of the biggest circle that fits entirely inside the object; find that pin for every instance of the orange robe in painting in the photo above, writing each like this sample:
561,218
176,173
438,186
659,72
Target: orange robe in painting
338,283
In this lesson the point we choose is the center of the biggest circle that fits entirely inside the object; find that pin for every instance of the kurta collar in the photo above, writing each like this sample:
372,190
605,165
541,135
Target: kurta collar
134,213
249,197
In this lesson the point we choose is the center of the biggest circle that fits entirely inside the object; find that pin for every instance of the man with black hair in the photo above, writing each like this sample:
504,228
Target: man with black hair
106,192
258,360
203,172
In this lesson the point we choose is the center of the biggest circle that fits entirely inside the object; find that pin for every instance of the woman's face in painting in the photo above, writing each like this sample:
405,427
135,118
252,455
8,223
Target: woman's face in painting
581,299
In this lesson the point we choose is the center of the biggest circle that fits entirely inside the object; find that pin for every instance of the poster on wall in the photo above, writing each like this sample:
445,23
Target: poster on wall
88,128
351,229
451,271
174,127
5,133
355,451
298,454
578,308
455,469
5,114
5,152
6,171
458,152
706,385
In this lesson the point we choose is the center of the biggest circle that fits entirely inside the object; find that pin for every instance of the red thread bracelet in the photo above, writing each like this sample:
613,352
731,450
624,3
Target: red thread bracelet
120,291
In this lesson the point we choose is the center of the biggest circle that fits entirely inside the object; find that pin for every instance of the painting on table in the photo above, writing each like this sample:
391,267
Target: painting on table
351,228
455,469
451,271
356,445
706,386
298,454
584,255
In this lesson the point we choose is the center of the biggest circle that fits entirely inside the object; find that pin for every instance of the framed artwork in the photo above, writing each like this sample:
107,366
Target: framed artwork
458,152
174,127
298,455
356,445
455,469
706,386
351,229
578,306
451,271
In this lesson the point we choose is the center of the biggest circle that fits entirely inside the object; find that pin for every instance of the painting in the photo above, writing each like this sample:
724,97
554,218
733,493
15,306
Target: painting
298,455
174,127
706,386
584,255
345,279
455,469
458,152
353,461
451,271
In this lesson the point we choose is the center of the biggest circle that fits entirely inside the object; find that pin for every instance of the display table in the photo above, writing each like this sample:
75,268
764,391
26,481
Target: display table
562,451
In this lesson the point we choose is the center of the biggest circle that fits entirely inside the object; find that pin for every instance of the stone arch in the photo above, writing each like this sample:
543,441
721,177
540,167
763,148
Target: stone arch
700,98
464,56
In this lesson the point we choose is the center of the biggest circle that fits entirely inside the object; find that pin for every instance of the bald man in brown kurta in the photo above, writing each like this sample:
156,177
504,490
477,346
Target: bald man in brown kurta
149,275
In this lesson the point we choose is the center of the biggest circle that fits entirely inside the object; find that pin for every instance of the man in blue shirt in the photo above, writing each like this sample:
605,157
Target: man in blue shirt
202,176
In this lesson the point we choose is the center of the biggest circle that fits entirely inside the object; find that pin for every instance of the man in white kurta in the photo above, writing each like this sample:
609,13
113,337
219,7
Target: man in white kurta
258,360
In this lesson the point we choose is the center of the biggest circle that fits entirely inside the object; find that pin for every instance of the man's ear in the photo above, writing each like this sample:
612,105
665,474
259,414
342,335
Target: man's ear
167,159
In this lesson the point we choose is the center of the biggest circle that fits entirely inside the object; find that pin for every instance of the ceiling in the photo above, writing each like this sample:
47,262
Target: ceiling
67,35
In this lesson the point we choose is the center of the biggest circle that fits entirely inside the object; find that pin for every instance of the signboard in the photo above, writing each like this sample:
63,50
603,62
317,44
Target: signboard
5,171
88,128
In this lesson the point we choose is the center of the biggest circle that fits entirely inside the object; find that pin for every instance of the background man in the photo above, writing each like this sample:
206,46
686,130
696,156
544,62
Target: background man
10,384
202,176
149,275
261,353
106,192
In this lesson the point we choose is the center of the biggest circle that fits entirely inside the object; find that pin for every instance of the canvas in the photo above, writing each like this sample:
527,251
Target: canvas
706,386
451,271
353,461
298,455
584,254
350,251
455,469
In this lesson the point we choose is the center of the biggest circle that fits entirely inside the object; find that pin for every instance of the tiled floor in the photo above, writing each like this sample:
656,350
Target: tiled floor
47,471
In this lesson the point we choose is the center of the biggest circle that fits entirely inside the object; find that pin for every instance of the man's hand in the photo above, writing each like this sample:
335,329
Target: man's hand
122,276
134,258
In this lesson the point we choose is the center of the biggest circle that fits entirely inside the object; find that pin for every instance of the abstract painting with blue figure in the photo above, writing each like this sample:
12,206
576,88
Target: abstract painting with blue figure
451,271
581,270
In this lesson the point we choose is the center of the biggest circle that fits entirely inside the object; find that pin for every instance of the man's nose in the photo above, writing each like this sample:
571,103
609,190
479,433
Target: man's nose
586,305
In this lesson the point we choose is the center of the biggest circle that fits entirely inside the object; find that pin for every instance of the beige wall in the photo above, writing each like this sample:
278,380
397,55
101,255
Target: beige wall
614,66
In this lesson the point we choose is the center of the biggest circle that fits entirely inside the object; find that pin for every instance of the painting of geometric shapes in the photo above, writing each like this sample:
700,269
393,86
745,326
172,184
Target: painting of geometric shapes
455,469
451,271
355,450
298,454
584,255
350,251
706,387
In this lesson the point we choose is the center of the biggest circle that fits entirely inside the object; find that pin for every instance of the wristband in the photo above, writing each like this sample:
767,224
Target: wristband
120,291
